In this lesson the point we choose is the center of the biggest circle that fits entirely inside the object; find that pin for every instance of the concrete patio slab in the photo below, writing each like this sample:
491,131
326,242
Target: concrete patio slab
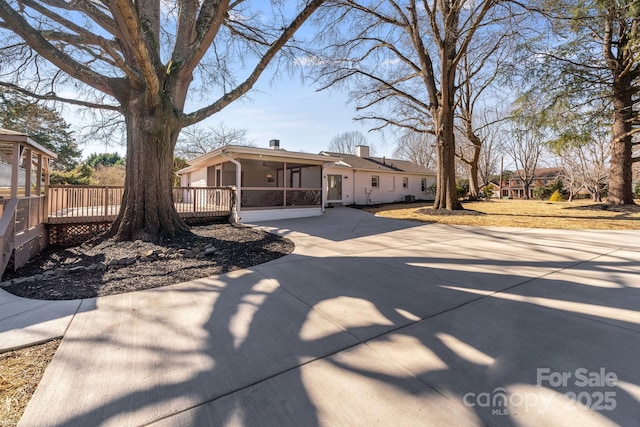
356,387
498,347
142,356
26,322
389,327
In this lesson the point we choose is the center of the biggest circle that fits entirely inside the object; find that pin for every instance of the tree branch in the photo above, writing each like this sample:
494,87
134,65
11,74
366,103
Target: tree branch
51,96
247,84
17,24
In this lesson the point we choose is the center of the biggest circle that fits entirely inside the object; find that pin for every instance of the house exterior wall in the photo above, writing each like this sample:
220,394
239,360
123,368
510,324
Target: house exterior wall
199,178
255,215
357,187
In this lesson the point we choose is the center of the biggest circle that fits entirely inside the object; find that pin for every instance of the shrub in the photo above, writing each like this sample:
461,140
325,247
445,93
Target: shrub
462,186
556,196
487,192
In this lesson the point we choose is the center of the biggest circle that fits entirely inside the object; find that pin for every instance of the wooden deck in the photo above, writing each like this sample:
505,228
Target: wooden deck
80,204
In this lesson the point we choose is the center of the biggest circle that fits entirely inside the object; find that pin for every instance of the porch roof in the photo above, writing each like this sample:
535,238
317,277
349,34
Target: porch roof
243,152
9,137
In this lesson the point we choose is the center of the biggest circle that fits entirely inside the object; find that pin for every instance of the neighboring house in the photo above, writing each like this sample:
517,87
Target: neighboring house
276,184
514,188
361,179
270,183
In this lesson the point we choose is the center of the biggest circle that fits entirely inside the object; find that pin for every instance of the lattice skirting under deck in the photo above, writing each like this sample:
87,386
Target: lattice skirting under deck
75,234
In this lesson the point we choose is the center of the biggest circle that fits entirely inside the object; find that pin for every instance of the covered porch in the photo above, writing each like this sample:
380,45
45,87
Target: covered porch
269,183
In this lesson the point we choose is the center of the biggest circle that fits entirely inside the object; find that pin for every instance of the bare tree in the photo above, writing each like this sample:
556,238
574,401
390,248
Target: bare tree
401,61
140,59
585,151
418,148
490,155
347,142
478,70
197,140
478,145
588,166
525,147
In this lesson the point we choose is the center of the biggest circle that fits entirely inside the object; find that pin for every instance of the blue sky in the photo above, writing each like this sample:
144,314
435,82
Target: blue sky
291,111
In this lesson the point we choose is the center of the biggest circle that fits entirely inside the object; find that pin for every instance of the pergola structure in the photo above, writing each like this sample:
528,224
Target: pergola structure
16,148
22,229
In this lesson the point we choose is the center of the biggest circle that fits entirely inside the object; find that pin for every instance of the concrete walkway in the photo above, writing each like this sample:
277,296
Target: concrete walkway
370,322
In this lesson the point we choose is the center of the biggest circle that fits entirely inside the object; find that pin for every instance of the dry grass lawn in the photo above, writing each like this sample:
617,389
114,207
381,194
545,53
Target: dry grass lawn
525,213
20,373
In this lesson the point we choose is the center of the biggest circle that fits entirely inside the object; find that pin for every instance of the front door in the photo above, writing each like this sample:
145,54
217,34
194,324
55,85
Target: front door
335,187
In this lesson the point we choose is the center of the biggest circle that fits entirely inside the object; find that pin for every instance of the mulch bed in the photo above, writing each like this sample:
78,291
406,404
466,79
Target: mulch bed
236,247
445,212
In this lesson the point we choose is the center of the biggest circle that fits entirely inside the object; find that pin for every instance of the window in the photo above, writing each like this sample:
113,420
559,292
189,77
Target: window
405,182
423,184
375,181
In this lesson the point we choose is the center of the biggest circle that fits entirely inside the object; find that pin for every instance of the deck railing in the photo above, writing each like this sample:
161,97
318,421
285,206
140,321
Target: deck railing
203,201
73,203
85,203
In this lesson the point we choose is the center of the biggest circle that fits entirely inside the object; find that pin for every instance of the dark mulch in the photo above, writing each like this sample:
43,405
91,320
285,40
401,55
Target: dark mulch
237,247
445,212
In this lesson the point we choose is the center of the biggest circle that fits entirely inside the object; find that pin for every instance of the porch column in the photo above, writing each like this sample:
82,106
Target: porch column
238,186
15,163
323,186
39,175
28,164
284,179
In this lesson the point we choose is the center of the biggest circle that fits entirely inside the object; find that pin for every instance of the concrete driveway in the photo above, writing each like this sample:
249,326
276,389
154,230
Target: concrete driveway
370,322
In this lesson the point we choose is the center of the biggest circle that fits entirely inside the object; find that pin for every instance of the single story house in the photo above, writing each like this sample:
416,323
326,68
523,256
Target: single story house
270,183
363,180
276,184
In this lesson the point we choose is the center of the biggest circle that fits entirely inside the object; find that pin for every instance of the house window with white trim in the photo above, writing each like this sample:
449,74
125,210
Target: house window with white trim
405,182
375,181
423,184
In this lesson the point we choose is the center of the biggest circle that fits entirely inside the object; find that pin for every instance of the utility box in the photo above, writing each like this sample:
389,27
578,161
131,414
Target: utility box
409,198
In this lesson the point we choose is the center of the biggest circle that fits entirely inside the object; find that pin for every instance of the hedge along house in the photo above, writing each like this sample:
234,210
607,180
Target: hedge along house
269,183
364,180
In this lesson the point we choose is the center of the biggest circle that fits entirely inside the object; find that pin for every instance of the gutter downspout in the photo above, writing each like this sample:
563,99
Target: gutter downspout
237,216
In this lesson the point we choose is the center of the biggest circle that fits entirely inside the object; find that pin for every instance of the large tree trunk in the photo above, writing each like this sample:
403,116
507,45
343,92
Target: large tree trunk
148,210
473,173
447,194
620,189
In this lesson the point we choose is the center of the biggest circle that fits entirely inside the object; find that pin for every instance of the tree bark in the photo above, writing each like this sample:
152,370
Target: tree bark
620,188
147,210
473,166
447,193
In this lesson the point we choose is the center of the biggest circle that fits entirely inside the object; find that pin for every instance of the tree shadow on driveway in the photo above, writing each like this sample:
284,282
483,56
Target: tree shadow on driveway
349,340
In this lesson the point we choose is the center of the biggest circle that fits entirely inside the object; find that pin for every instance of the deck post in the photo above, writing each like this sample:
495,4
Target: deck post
15,164
28,164
106,202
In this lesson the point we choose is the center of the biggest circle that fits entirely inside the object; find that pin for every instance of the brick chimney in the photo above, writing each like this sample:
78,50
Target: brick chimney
362,150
